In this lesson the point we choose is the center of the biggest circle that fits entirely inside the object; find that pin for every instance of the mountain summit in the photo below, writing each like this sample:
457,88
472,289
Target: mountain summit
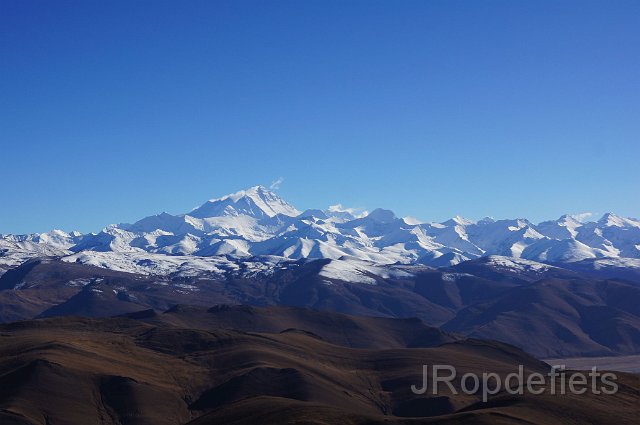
257,202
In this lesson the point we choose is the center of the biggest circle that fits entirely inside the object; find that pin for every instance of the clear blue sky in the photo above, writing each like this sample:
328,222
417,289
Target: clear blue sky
114,110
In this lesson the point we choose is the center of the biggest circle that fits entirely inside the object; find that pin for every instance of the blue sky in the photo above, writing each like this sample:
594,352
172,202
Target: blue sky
112,111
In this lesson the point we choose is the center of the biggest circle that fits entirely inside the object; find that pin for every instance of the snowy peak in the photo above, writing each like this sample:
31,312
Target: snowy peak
257,202
612,220
458,221
381,215
568,221
562,228
313,213
339,212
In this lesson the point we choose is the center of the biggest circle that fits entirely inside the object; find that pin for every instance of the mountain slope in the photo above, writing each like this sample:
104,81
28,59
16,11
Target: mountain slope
334,328
543,309
123,371
555,318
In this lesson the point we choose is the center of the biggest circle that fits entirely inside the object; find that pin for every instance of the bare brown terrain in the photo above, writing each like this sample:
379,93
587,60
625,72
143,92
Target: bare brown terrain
557,314
152,368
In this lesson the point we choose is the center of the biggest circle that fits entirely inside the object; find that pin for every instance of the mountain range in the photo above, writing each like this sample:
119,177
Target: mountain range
258,223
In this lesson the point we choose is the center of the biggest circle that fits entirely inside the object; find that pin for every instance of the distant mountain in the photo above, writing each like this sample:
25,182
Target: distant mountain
257,222
257,202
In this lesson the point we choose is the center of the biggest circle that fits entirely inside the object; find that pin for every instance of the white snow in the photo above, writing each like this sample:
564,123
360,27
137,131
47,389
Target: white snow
453,277
345,271
517,264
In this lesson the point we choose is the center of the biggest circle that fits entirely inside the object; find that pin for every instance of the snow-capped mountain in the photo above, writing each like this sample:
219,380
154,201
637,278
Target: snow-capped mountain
257,202
257,222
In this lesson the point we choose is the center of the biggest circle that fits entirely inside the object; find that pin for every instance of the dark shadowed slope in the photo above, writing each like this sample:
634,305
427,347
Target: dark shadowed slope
545,310
46,287
335,328
553,318
38,285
